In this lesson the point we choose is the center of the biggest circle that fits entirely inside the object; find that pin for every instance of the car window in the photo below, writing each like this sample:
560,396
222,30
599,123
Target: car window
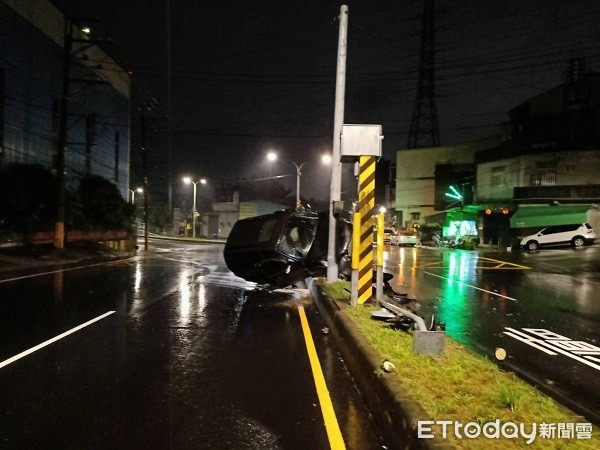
298,236
549,230
588,226
569,228
266,231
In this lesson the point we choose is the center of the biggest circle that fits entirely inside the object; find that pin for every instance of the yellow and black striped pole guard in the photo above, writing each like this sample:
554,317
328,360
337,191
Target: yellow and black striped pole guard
366,205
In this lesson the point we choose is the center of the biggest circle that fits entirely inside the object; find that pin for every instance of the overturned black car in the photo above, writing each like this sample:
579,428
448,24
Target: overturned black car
283,248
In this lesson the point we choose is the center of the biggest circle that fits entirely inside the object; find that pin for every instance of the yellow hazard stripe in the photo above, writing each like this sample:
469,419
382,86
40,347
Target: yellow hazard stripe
366,204
336,441
365,279
367,168
364,296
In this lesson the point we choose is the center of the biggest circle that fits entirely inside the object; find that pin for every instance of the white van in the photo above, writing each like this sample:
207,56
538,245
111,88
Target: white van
576,235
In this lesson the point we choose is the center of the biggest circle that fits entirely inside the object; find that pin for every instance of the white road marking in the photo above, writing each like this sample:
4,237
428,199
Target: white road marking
105,263
54,339
471,286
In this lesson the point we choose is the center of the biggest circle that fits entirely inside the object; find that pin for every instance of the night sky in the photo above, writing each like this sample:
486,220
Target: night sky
252,76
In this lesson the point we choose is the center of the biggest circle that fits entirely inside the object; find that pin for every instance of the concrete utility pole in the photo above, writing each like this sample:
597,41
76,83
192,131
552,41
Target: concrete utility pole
59,230
61,177
145,169
336,164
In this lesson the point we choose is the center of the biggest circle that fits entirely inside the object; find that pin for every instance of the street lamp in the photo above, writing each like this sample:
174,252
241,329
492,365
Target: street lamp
272,156
138,190
188,180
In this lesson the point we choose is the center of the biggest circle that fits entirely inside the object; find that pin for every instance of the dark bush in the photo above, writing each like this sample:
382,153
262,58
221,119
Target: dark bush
28,203
102,206
27,198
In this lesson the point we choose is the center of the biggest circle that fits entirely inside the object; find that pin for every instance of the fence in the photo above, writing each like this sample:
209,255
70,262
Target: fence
115,239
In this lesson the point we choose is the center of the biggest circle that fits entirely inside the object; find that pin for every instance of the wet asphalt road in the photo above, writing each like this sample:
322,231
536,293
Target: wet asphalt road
549,299
190,358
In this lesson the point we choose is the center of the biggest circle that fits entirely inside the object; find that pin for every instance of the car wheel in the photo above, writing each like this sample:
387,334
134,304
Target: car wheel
532,245
578,241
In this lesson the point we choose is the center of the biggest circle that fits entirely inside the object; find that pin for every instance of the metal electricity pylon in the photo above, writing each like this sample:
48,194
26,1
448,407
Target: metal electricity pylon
424,128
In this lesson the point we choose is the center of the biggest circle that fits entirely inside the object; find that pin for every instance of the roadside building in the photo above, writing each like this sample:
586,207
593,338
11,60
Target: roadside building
224,215
424,176
545,172
32,48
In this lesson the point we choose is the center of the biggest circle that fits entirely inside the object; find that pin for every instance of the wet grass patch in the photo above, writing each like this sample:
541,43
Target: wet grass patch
463,386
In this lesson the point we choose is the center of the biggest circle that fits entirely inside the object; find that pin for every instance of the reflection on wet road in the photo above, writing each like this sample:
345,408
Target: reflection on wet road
486,298
192,357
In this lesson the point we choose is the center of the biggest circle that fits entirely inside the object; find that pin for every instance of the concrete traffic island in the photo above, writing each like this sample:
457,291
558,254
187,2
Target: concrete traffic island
391,396
394,411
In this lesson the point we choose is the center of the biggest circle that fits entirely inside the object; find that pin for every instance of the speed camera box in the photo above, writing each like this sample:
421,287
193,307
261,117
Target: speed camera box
361,140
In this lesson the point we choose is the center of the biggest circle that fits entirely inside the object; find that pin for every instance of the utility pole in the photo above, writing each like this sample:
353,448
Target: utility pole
336,164
145,170
90,141
61,179
424,128
59,229
170,114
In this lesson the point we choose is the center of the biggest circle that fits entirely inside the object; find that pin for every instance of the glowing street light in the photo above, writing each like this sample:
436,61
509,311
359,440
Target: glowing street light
325,159
138,190
188,180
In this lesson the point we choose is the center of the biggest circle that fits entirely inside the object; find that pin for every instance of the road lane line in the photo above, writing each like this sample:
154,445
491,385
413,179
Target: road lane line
471,286
105,263
54,339
504,262
331,424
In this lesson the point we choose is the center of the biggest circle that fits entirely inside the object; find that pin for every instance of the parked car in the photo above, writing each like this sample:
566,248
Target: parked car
388,233
404,238
576,235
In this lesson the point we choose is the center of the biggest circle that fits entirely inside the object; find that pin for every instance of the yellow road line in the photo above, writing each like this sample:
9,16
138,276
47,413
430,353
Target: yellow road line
505,262
331,424
430,264
442,265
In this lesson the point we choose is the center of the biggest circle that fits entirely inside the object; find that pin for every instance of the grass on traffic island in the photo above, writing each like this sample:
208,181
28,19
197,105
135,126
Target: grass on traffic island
463,386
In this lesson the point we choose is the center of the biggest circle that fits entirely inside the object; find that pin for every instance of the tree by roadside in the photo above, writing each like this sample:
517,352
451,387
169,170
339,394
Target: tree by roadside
28,194
28,203
103,208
